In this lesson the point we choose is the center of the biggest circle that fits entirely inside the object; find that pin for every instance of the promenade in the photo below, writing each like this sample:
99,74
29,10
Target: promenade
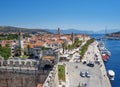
90,55
98,76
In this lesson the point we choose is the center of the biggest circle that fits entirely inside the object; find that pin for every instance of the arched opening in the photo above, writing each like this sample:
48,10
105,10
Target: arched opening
11,63
28,64
16,63
22,63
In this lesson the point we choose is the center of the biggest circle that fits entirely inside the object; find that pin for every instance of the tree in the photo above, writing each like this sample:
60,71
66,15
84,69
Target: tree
85,47
18,51
64,46
7,45
76,40
69,47
43,48
5,52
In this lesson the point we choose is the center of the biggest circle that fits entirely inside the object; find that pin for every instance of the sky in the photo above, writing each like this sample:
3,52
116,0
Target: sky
66,14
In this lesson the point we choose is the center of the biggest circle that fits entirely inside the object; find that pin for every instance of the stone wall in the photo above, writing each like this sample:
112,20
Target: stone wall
14,79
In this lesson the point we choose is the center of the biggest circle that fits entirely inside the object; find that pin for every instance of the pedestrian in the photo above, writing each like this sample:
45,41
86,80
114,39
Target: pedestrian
85,84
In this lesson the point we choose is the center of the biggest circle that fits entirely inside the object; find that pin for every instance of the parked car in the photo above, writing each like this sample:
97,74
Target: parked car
96,55
91,64
82,74
84,62
87,74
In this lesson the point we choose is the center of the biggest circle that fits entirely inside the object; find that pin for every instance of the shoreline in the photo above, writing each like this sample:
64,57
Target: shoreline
103,69
93,49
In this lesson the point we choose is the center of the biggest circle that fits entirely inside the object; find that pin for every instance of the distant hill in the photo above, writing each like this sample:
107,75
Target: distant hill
103,31
7,29
115,35
69,31
116,32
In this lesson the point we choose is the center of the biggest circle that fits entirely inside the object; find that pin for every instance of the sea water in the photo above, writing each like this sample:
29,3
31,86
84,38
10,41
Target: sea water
114,61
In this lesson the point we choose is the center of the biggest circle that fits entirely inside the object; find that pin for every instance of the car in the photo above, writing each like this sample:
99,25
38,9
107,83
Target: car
95,55
91,64
87,74
82,74
77,61
84,62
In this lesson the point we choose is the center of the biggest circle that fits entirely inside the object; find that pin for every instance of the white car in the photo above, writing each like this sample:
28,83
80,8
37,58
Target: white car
87,74
82,74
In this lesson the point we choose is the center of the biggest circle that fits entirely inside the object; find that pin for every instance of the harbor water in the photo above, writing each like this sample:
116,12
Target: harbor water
114,61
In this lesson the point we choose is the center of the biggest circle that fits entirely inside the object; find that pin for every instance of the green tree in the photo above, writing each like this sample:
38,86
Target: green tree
69,47
18,51
64,46
5,52
85,47
9,37
43,48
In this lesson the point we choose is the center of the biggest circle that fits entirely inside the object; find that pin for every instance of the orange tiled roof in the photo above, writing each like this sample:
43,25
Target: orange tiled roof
48,57
39,85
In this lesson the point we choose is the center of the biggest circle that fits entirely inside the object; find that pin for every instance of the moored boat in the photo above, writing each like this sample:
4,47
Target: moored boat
105,57
111,74
104,52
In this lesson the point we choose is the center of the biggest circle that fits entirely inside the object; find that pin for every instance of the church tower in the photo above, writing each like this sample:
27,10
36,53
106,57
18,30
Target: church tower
72,37
20,42
59,32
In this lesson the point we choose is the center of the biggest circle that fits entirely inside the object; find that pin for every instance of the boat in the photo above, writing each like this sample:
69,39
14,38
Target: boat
111,74
105,57
105,53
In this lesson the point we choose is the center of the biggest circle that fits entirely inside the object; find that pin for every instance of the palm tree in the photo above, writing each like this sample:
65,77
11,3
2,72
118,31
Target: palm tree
19,51
64,46
69,47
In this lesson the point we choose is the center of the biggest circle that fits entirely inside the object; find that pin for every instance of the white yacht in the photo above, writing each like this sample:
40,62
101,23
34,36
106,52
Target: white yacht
111,74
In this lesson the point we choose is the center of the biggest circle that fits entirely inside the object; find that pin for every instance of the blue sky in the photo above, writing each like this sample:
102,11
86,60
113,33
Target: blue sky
78,14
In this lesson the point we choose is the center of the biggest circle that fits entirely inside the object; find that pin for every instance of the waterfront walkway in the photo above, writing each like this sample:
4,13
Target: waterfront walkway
98,76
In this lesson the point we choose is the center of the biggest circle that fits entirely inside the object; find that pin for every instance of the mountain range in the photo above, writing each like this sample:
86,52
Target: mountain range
103,31
78,31
6,29
69,31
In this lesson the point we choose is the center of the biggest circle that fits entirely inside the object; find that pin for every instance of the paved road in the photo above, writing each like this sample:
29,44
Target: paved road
74,77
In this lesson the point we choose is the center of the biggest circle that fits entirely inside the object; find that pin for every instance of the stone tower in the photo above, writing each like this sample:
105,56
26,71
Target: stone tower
20,42
72,37
59,34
